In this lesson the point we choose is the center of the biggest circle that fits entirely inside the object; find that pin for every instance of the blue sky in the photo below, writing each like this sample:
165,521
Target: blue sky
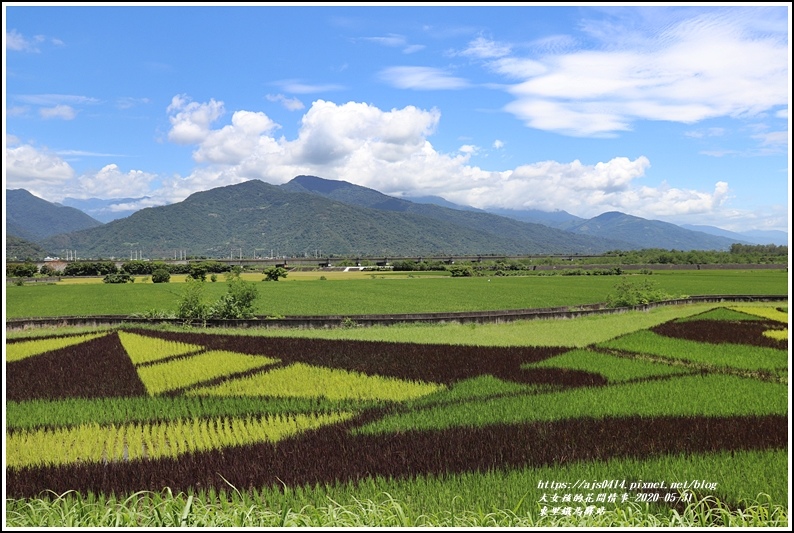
668,112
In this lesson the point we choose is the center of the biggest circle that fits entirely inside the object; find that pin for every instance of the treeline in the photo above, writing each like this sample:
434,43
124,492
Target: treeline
738,254
105,268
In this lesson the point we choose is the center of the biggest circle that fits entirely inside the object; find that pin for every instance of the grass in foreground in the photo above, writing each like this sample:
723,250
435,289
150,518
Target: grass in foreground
187,511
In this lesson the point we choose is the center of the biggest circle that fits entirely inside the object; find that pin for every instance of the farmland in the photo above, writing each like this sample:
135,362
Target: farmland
526,424
380,293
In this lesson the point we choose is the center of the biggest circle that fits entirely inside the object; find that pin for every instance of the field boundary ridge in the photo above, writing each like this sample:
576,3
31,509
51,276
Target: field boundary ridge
327,321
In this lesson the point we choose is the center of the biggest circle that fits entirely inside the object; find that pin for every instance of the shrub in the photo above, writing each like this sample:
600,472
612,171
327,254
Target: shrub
274,273
460,271
27,270
161,275
191,306
628,294
118,277
238,302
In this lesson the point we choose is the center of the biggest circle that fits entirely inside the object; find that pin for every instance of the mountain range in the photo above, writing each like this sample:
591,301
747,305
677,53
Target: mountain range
314,216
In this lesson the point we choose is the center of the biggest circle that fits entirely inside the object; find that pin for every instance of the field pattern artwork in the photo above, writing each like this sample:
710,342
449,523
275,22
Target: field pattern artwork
139,409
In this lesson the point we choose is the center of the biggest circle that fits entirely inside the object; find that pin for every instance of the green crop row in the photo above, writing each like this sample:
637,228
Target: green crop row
184,372
704,395
148,349
721,313
307,381
615,369
17,351
92,443
765,312
777,334
40,414
737,356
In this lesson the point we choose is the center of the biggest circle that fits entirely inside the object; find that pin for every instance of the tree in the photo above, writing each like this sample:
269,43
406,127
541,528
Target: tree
274,273
238,302
27,270
161,275
118,277
191,305
629,294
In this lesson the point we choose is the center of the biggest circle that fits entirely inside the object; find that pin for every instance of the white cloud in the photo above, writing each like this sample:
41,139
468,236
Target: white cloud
18,111
357,142
292,104
63,112
413,48
498,145
127,102
421,78
19,43
55,99
395,41
482,48
37,170
111,182
715,64
298,87
773,138
232,144
190,121
390,151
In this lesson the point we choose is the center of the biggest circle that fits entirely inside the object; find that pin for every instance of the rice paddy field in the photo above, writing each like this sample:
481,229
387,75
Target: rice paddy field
675,417
355,293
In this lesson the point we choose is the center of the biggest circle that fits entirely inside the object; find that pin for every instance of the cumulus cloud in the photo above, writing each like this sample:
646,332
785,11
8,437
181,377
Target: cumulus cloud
111,182
387,150
390,151
37,170
190,121
421,78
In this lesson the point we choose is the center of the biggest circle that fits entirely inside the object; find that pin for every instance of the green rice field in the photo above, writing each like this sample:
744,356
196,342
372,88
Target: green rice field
382,294
672,417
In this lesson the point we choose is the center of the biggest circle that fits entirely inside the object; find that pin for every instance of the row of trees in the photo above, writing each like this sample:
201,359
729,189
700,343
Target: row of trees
738,254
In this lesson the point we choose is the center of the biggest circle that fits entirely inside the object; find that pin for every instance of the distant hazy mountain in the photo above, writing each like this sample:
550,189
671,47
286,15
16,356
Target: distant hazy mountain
652,233
31,218
437,200
779,238
102,210
254,215
556,219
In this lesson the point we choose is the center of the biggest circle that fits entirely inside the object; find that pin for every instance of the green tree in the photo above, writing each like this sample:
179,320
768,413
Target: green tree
238,302
118,277
628,293
191,305
274,273
161,275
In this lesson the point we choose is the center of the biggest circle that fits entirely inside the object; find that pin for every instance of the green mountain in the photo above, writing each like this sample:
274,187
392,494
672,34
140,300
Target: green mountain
241,219
31,218
651,233
18,249
534,234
